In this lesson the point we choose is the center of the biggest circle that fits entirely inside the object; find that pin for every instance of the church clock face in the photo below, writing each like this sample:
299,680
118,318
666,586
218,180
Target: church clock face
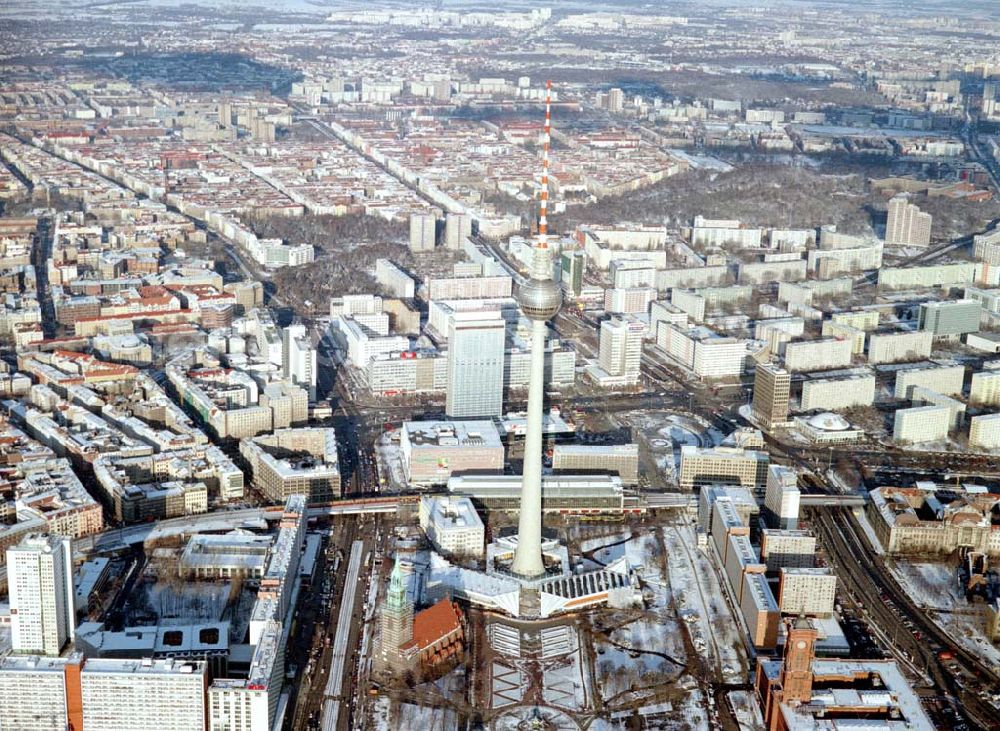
801,645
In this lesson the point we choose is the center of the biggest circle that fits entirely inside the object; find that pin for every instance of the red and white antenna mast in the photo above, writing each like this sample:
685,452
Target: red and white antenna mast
543,222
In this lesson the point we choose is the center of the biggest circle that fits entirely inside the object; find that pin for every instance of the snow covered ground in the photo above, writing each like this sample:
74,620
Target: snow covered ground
934,586
390,462
701,604
746,710
664,433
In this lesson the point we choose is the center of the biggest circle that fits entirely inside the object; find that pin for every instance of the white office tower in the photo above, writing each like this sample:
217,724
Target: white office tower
620,353
476,343
40,576
298,358
781,498
540,299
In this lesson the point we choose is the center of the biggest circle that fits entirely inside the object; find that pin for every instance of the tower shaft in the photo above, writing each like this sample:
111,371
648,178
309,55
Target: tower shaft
528,556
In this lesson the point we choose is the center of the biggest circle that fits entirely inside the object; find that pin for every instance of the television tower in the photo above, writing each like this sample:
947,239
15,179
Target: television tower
539,299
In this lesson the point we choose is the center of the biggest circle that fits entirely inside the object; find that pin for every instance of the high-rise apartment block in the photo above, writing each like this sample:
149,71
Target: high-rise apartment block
985,388
907,225
40,576
811,591
771,387
423,232
614,101
457,228
984,431
298,358
70,692
787,548
394,280
781,497
476,343
921,424
620,353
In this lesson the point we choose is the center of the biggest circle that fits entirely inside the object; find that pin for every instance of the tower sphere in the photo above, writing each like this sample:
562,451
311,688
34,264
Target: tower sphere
539,299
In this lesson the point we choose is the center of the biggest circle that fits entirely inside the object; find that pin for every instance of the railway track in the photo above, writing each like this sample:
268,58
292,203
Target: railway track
867,580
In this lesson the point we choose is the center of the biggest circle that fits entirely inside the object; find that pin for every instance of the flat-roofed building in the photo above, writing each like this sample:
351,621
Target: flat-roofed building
907,225
741,559
452,525
787,548
394,280
760,611
454,288
620,351
99,694
423,232
945,379
818,355
771,388
950,319
702,466
295,462
922,396
137,694
984,431
476,346
432,451
726,522
619,459
741,498
559,365
781,497
40,576
227,556
811,591
835,394
921,424
895,347
407,372
562,494
33,692
985,388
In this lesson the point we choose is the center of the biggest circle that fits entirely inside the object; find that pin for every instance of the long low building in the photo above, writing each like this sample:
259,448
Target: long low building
945,379
930,520
760,611
722,465
229,556
895,347
565,494
834,394
619,459
56,693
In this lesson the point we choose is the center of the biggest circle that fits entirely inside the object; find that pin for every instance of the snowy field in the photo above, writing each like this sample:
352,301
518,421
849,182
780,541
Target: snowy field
701,604
389,714
934,586
188,603
390,463
664,433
